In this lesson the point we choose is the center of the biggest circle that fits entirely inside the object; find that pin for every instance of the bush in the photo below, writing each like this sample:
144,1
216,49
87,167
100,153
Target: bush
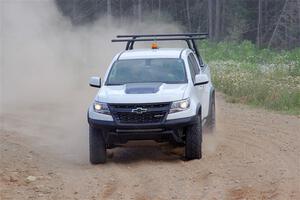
258,77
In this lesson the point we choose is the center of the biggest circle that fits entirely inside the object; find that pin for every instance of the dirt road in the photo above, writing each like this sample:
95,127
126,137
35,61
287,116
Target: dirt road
254,154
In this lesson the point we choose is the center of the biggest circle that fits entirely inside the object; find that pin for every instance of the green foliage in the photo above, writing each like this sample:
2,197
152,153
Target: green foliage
258,77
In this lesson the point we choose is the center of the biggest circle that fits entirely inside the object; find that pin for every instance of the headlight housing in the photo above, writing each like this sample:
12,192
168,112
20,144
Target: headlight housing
101,108
178,106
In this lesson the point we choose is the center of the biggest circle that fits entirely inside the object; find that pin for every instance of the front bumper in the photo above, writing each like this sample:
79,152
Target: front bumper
167,125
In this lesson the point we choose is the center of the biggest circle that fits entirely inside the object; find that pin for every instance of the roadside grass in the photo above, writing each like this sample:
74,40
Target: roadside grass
259,77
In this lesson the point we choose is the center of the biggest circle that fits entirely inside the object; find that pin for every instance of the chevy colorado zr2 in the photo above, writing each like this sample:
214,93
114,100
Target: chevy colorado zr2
161,94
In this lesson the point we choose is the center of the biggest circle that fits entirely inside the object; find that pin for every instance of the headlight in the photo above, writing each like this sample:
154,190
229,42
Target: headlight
178,106
101,108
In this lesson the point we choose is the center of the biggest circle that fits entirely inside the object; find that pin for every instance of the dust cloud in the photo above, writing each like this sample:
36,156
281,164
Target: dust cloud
45,66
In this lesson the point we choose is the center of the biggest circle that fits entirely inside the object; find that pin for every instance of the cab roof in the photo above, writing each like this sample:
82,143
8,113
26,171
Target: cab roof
151,53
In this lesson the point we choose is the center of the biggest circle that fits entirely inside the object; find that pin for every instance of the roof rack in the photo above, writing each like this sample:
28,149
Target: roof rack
188,37
164,35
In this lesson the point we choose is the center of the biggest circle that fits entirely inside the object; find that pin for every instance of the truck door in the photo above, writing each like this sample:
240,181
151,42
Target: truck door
203,91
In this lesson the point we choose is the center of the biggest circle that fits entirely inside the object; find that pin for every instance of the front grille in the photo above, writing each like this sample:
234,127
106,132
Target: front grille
139,113
149,117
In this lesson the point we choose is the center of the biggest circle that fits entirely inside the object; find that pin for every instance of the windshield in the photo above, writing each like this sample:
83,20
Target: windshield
164,70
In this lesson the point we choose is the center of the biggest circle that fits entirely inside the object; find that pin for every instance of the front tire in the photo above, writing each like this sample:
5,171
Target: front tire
193,143
97,146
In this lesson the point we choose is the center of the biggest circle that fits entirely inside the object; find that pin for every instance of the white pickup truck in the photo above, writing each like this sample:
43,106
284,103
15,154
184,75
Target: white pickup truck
161,94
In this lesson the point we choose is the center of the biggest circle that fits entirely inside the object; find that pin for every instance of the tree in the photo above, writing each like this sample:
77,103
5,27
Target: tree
108,12
258,39
286,32
187,2
159,8
210,19
140,11
268,23
217,21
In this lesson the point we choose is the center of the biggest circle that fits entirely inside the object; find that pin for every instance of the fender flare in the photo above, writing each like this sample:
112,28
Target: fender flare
211,95
199,107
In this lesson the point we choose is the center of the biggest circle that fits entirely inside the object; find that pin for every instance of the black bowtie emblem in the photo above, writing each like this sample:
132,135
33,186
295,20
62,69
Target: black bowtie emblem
139,110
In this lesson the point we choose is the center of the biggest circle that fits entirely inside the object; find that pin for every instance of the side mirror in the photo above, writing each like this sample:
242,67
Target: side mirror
201,79
95,82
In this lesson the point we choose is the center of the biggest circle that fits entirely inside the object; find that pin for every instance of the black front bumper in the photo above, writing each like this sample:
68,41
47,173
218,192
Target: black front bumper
112,126
115,133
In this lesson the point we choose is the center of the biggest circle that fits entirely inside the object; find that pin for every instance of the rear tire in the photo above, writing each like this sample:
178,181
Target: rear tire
97,147
193,143
211,120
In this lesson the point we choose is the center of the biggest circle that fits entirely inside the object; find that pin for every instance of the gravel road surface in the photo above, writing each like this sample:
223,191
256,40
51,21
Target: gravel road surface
254,154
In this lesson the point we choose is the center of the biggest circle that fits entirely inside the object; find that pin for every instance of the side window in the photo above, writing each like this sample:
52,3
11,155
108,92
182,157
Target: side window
201,61
195,64
193,73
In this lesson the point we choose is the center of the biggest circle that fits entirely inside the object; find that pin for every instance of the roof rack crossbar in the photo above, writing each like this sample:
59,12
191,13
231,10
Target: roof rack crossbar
157,39
163,35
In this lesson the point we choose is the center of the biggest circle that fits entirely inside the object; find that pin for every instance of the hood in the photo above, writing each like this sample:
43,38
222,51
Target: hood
141,93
